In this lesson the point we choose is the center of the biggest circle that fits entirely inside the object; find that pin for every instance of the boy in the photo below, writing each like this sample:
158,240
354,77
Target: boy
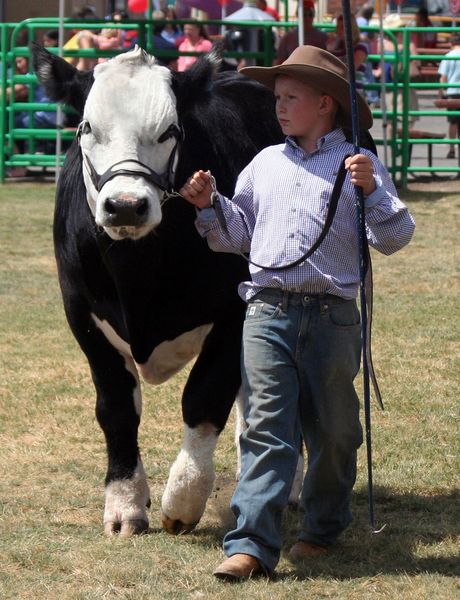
301,337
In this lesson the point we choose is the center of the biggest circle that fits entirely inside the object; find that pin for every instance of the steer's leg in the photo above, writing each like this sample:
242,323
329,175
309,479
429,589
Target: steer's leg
118,411
127,495
207,400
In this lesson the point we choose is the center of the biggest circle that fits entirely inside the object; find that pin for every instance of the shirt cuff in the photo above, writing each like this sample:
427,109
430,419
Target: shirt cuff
377,195
206,215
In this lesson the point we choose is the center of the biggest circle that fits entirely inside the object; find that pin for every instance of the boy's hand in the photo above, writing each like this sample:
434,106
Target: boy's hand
362,172
198,190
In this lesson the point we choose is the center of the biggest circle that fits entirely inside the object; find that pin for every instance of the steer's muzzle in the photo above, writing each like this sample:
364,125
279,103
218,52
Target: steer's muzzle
125,213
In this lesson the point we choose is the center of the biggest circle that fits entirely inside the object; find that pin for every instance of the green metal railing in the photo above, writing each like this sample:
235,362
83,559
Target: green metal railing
9,108
33,136
407,113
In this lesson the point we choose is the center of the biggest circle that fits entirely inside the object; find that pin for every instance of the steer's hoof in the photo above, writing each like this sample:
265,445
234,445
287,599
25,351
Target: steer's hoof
175,526
127,528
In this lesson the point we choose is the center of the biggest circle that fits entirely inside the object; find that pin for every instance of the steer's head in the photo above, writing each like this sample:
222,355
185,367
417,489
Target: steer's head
128,138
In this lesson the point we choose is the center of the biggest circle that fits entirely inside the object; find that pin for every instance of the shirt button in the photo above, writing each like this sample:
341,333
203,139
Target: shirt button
291,235
298,184
293,209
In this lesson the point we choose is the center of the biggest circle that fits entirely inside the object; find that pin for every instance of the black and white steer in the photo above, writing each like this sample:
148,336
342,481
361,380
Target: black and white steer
142,292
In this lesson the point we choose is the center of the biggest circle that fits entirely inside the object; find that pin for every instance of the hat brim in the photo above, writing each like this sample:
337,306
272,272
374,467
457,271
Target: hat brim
319,78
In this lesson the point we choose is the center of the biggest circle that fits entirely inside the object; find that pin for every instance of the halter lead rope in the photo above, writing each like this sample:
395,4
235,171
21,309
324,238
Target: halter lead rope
333,202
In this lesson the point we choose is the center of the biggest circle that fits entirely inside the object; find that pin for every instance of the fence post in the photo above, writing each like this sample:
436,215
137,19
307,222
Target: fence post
3,67
405,107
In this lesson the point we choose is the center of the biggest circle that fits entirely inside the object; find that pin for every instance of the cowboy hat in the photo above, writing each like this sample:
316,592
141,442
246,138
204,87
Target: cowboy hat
321,70
393,21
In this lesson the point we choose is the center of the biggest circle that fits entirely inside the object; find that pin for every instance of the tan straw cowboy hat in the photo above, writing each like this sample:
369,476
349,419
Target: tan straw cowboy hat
321,70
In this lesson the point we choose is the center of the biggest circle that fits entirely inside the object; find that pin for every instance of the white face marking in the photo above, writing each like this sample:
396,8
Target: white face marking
130,105
191,477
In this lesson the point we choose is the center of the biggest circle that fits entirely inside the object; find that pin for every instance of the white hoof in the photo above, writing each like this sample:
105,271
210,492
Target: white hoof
190,481
126,502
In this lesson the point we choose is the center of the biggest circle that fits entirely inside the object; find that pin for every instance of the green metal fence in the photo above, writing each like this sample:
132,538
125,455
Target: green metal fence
10,135
39,153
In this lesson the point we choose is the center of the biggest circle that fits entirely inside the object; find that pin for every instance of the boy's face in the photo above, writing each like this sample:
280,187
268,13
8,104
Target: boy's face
299,107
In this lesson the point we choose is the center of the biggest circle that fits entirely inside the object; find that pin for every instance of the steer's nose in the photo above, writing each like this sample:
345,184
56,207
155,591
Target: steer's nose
129,213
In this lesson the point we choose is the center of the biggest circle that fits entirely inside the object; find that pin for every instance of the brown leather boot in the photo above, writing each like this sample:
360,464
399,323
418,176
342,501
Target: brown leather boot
302,550
238,567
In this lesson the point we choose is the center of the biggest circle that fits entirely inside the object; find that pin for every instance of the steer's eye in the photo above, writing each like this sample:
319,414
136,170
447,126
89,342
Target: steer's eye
83,128
172,131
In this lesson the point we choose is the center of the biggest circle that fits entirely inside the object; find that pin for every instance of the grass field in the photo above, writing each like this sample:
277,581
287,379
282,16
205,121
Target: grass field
52,455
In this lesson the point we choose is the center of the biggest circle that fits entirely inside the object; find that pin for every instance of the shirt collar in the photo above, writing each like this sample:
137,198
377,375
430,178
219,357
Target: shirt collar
324,143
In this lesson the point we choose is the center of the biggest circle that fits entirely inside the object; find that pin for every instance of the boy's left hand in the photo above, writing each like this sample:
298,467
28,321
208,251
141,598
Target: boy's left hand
362,172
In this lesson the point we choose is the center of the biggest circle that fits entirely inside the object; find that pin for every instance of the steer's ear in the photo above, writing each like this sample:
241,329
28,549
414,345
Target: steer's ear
62,81
194,84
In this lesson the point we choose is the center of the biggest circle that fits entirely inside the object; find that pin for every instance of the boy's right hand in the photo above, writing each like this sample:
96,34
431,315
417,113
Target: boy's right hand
198,189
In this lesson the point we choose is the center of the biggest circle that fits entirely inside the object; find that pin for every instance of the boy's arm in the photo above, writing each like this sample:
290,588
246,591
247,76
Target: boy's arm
235,234
389,224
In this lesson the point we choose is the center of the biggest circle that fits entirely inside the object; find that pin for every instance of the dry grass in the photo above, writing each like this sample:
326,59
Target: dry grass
52,456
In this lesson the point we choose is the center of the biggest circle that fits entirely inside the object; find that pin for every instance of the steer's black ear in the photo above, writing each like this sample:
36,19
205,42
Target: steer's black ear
194,84
62,81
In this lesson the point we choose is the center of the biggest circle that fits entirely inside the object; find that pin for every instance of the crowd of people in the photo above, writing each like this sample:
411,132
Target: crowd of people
178,47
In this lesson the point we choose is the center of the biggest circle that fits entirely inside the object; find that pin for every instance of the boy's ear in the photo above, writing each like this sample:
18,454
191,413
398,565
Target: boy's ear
327,105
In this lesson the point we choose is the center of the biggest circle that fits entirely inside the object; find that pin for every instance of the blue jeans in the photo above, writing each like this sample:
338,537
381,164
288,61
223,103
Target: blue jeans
300,356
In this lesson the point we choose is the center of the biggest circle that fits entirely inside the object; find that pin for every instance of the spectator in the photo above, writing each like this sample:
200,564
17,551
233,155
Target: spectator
394,21
128,36
424,39
247,39
262,5
51,38
28,119
312,36
363,19
171,32
449,70
82,38
130,39
19,92
118,16
160,43
336,43
365,15
337,47
196,40
109,39
38,119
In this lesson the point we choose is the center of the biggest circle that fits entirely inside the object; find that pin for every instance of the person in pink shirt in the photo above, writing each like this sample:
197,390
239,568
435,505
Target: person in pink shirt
108,39
196,40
